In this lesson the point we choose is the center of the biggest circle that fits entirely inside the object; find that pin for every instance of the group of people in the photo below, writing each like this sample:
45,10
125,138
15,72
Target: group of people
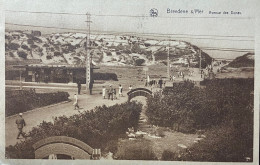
154,83
111,93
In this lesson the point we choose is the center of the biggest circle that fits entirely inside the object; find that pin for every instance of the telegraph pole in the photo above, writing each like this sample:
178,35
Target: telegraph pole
200,60
88,59
168,61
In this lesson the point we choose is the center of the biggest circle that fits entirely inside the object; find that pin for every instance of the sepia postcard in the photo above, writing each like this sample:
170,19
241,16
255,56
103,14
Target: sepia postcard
135,82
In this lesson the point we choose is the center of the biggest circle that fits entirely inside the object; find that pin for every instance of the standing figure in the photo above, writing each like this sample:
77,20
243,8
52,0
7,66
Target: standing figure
110,92
130,88
120,91
79,87
90,88
76,105
160,82
20,124
114,94
104,92
37,77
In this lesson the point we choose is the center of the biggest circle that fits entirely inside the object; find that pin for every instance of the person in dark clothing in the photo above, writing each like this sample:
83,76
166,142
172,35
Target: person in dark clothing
160,82
20,124
90,88
110,92
79,87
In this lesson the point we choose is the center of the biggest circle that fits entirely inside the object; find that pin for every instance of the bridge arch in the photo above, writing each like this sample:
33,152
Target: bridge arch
139,92
62,145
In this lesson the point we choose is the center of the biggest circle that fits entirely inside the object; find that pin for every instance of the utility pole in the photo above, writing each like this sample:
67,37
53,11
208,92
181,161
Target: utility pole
200,60
88,59
168,61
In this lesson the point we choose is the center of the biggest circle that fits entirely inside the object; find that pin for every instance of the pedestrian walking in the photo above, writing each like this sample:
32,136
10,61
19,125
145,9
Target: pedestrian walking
20,124
104,92
120,91
110,92
76,104
79,87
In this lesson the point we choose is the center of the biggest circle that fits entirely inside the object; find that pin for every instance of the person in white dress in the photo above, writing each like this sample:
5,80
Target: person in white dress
76,105
104,92
120,91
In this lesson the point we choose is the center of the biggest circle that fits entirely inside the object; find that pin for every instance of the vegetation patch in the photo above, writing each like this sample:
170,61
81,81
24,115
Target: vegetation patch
224,108
24,100
96,128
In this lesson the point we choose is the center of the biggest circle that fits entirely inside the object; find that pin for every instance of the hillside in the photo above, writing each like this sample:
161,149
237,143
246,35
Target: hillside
110,50
247,60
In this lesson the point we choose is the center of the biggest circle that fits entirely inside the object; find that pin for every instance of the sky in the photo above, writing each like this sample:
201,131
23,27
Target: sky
203,30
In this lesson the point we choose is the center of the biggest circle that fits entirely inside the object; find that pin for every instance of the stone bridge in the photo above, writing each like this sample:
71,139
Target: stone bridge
139,92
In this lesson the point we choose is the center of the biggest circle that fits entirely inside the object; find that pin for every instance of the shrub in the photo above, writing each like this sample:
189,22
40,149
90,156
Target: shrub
140,149
136,48
127,51
109,53
96,128
11,54
105,76
22,54
36,39
57,54
30,41
25,47
14,46
186,107
45,45
139,62
168,155
48,57
21,101
224,107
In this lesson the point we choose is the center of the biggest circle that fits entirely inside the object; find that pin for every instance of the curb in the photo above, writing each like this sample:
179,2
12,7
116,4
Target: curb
37,109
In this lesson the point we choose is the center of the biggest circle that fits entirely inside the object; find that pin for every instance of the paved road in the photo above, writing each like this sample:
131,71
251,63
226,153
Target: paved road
35,117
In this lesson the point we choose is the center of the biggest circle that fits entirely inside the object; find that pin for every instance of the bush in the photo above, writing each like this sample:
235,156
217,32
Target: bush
139,149
224,107
96,128
33,46
139,62
105,76
22,54
25,47
57,54
48,57
168,155
186,107
14,46
109,53
127,51
25,100
30,41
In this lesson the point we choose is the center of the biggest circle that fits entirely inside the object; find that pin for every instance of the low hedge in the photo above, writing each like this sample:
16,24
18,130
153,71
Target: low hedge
96,128
23,100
